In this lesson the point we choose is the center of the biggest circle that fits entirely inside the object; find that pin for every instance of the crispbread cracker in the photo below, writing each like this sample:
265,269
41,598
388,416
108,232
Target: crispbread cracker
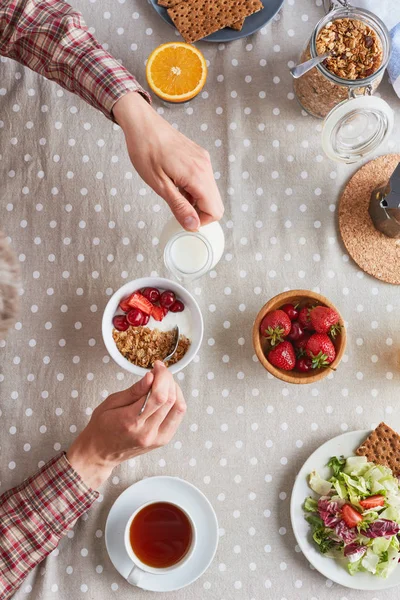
382,447
168,3
238,26
195,19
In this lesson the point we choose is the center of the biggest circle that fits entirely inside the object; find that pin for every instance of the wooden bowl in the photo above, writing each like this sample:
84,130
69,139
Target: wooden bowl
261,345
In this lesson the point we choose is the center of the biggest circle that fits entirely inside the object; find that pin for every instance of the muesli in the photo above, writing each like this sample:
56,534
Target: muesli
143,346
357,53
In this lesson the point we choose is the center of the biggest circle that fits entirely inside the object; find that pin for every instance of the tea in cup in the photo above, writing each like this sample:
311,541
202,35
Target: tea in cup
159,537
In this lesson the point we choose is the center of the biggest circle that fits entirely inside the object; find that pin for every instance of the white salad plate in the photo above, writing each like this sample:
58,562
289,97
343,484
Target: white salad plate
346,445
190,321
164,489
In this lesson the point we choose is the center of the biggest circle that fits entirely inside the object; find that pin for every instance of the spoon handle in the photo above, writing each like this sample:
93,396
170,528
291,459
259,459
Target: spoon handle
299,70
145,403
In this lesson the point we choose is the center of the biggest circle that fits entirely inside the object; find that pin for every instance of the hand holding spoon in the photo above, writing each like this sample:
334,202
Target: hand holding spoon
165,360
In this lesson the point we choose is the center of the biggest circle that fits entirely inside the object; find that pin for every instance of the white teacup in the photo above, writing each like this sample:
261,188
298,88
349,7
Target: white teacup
139,568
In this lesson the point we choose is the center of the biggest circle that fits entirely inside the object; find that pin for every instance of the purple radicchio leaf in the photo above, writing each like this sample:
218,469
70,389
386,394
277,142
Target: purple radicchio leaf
345,533
354,551
382,528
330,511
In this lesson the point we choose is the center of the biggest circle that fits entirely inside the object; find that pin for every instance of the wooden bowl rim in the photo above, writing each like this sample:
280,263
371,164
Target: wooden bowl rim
289,376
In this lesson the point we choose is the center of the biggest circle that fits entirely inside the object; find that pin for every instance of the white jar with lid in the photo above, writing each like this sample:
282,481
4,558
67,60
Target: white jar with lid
355,122
190,255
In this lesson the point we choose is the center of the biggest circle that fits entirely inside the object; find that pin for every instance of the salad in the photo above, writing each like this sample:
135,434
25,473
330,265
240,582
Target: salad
356,516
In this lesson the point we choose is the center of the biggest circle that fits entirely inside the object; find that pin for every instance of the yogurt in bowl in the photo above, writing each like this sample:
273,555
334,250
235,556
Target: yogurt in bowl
190,322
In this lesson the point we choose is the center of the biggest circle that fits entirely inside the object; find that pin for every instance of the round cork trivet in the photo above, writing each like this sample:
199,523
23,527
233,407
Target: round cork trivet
376,254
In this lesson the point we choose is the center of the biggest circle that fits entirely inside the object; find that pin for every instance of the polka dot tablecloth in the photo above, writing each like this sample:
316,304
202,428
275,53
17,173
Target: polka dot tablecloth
82,223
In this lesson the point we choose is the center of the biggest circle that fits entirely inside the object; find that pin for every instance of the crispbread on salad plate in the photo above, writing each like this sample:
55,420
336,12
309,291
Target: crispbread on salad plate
345,509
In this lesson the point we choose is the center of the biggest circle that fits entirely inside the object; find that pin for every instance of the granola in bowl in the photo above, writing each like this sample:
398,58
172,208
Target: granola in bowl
153,303
143,346
143,327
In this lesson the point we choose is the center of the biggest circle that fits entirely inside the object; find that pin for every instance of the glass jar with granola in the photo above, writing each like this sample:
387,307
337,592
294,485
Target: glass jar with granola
339,89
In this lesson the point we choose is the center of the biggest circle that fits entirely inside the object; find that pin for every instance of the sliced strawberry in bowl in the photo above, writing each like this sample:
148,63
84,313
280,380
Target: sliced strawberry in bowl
124,304
137,300
158,313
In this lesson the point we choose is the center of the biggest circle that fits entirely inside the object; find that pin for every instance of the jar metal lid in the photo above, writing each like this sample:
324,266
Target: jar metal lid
355,128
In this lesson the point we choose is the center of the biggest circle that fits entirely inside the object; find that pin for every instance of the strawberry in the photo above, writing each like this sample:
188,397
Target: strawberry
321,350
351,516
137,300
372,502
325,320
304,317
157,313
283,356
124,305
275,326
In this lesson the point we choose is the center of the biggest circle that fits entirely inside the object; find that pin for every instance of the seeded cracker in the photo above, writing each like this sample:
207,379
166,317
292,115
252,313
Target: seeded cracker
195,19
383,448
238,26
168,3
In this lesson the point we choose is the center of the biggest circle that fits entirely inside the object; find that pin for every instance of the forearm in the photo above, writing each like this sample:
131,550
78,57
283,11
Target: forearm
51,38
35,515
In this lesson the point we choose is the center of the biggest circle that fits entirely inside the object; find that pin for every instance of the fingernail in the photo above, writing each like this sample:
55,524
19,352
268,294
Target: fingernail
159,363
191,223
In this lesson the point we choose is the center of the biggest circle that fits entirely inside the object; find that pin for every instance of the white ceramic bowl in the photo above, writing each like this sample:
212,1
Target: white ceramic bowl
160,283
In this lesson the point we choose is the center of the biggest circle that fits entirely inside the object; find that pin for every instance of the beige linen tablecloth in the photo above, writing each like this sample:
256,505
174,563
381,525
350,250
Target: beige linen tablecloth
82,224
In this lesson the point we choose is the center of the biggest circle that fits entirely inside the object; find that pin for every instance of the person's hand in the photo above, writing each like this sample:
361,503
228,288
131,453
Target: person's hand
116,432
175,167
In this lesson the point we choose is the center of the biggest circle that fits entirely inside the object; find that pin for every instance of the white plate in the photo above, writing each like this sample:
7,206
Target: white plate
346,445
197,325
167,489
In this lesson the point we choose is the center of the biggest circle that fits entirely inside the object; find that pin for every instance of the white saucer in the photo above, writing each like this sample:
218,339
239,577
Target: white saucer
165,489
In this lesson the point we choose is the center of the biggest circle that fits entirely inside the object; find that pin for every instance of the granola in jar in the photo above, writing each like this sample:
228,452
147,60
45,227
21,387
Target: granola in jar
359,54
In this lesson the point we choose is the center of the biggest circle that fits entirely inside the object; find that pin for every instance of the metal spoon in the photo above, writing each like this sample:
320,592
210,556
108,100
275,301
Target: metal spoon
165,360
304,67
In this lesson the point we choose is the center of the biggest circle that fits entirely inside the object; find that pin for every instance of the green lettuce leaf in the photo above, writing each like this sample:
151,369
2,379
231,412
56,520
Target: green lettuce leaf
337,464
310,504
318,485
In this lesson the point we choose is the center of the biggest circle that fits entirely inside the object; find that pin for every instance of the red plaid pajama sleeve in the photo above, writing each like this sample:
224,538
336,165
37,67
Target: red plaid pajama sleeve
50,37
35,515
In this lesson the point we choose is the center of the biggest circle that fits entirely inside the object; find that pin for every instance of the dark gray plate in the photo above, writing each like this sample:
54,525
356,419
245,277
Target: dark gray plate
251,24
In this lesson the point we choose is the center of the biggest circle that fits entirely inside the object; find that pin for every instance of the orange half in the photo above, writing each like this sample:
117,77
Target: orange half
176,71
